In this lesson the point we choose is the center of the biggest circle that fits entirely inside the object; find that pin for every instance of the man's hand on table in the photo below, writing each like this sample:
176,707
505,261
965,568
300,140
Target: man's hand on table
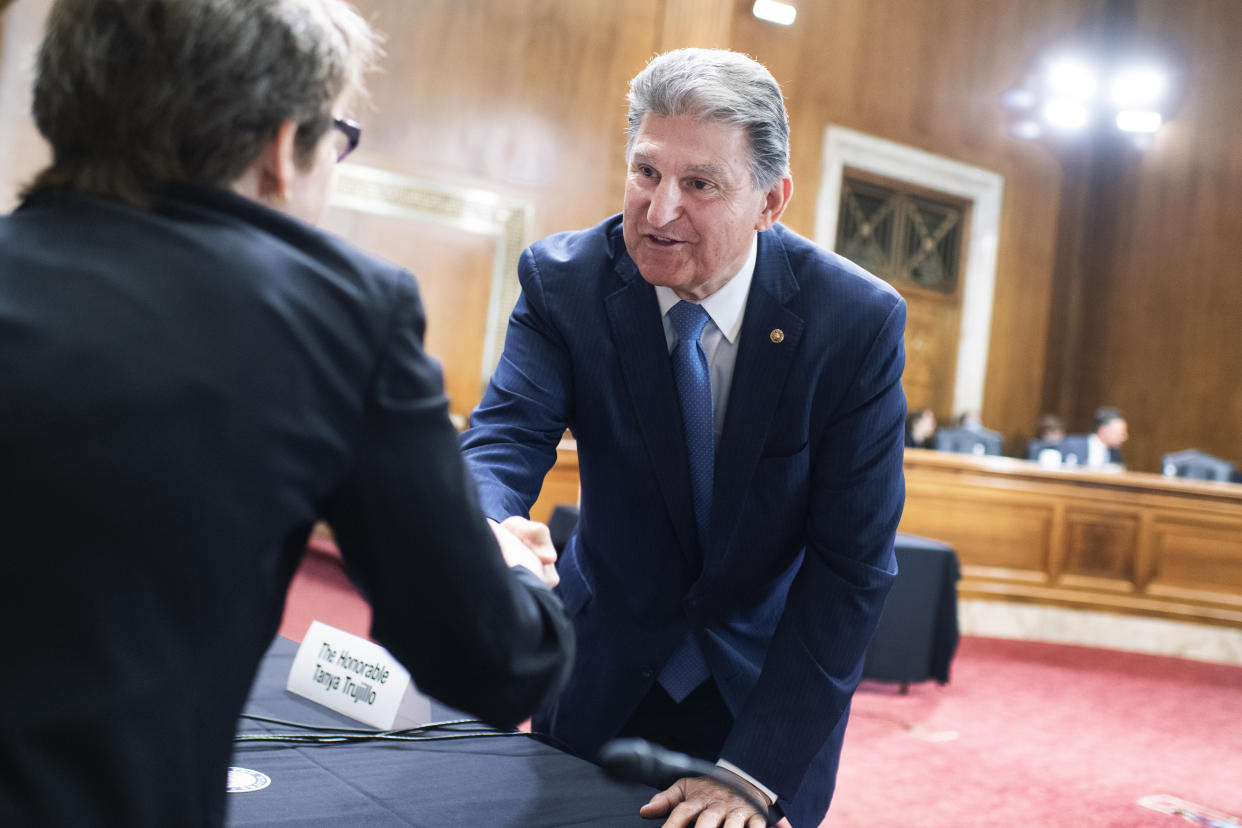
702,803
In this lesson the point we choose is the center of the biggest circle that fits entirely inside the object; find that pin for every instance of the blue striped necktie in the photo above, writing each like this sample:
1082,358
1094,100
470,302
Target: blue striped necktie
686,668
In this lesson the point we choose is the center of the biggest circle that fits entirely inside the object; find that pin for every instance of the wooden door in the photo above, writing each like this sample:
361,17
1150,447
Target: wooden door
912,238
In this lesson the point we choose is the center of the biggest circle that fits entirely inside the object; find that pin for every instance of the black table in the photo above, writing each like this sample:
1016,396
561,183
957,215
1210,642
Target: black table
917,634
490,782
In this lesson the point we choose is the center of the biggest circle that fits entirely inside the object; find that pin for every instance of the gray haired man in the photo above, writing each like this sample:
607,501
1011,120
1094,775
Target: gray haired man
735,393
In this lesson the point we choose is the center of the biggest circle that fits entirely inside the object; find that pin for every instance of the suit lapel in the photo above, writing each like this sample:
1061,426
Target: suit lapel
769,343
637,330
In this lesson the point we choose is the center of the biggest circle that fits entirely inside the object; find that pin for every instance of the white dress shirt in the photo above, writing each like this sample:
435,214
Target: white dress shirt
1097,453
726,308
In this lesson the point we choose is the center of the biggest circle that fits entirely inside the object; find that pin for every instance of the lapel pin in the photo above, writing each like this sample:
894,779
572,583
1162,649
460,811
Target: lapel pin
777,336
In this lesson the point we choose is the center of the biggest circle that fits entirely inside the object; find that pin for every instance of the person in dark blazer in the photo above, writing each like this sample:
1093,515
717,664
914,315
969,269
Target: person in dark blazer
1049,432
723,614
192,375
1101,449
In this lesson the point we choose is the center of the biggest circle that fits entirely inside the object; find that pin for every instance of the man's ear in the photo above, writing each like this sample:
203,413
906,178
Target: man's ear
776,199
276,164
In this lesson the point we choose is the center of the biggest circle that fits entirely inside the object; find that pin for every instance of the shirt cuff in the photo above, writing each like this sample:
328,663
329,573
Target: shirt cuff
732,768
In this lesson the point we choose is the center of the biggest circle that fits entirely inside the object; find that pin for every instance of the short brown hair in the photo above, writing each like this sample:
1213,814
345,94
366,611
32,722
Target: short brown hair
137,94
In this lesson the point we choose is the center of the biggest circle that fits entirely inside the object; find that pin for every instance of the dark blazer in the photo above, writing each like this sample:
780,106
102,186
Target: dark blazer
808,493
183,393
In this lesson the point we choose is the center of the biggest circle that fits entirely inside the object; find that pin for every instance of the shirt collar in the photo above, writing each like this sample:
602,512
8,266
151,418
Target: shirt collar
727,305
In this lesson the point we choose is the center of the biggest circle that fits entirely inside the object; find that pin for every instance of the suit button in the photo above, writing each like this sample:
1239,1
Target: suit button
646,671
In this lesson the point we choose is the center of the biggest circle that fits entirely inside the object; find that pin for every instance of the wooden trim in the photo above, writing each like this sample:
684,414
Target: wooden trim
1116,541
1145,545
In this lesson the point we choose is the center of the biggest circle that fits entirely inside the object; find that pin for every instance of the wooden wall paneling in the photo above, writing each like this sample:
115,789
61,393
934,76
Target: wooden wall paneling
1123,541
1066,310
462,244
932,329
1099,548
23,152
1163,330
1195,557
930,75
704,23
1145,553
933,314
561,484
1145,321
1057,541
995,534
523,98
1088,219
454,272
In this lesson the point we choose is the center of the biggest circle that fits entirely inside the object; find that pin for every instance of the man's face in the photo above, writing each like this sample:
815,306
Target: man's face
1113,433
691,207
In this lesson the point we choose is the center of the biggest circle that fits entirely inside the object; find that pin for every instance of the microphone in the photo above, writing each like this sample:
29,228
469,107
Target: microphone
637,760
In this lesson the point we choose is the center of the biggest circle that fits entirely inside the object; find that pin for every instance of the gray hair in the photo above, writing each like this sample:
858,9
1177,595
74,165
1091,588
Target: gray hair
134,95
722,87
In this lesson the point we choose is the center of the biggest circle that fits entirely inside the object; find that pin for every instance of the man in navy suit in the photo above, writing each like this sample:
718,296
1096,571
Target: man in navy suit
1100,449
725,618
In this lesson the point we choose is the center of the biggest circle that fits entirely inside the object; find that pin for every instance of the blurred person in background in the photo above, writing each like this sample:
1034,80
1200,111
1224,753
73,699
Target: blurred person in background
1050,429
1049,432
1101,449
921,429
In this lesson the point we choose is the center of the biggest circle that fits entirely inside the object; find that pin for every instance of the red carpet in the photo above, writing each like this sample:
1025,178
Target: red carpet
1030,734
321,592
1025,734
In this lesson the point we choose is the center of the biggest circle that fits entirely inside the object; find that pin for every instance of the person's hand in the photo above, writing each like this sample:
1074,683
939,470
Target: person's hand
526,543
704,804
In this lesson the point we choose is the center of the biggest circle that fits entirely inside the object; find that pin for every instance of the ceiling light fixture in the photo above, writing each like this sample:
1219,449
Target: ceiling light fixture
775,11
1071,92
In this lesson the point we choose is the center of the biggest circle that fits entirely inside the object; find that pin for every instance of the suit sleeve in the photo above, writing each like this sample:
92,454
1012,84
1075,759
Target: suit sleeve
514,432
473,633
814,662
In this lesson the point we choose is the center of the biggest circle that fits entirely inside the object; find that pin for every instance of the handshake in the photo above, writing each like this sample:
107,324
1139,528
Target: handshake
527,543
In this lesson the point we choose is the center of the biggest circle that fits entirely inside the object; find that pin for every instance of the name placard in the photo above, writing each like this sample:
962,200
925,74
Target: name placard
356,678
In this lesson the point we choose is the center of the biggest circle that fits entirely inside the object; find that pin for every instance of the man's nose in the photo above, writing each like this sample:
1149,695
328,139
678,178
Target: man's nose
665,204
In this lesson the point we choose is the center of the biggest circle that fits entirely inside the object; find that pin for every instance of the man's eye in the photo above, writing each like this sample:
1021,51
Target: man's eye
700,184
646,171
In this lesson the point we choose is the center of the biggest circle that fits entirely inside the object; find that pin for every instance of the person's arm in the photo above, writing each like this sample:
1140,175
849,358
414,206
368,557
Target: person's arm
475,634
529,544
815,659
514,431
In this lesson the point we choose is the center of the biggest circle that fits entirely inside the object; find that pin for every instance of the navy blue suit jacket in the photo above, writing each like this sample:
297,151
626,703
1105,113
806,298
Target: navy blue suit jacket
808,492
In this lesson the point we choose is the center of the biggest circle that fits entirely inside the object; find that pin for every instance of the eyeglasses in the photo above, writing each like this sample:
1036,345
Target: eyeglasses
352,132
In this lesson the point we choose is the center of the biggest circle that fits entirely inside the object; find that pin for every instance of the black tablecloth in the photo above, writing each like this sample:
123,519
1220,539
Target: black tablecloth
488,782
917,633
